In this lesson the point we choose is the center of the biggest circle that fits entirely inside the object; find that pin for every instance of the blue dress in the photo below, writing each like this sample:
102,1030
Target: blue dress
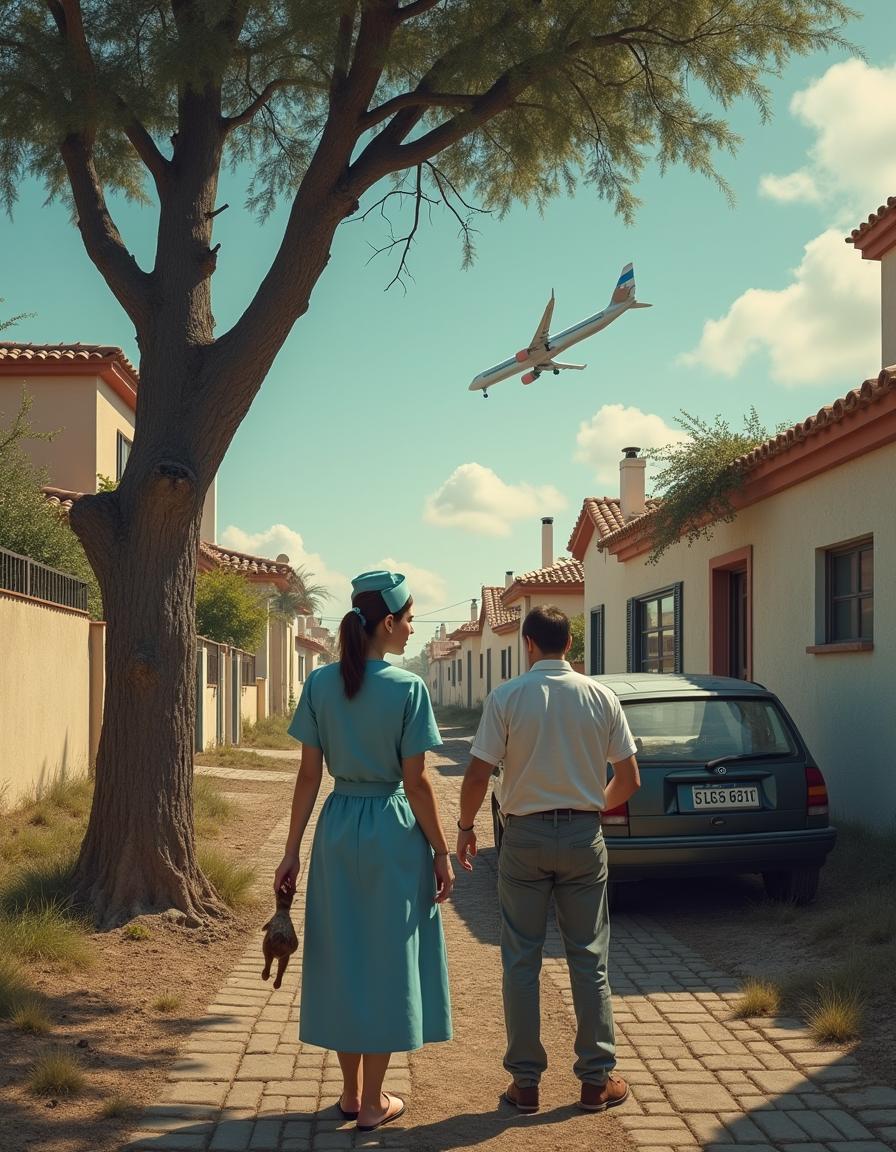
374,975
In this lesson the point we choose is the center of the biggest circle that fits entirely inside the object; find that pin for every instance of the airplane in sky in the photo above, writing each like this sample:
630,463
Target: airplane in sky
539,356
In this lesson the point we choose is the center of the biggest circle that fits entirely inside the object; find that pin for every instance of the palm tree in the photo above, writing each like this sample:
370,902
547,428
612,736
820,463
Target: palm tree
301,598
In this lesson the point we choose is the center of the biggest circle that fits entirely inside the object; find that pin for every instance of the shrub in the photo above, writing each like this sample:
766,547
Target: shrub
136,932
228,609
118,1106
167,1002
45,932
269,733
834,1014
30,1015
56,1073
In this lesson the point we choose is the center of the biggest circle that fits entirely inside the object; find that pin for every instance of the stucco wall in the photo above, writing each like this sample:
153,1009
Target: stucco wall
67,404
842,702
888,308
44,703
112,416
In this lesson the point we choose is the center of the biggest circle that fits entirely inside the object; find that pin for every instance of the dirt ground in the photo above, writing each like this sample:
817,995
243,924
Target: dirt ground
104,1015
457,1085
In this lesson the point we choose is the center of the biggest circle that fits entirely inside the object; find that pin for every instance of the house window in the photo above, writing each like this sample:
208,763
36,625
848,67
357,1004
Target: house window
596,642
122,451
654,626
480,666
850,592
509,661
503,663
301,667
460,670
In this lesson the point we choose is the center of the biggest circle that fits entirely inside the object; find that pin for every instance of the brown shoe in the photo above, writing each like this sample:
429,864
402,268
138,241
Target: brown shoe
598,1097
523,1099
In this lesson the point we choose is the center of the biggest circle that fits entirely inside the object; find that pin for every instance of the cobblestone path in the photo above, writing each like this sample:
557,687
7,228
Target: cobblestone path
700,1079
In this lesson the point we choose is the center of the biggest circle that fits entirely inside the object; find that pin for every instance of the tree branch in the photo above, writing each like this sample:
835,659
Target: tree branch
417,99
417,8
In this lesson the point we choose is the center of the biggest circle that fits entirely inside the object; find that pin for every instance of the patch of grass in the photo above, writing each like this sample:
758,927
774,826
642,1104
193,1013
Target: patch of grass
777,913
231,880
12,986
760,998
211,807
44,932
834,1014
269,733
227,756
136,932
30,1015
452,716
167,1002
56,1073
118,1106
46,882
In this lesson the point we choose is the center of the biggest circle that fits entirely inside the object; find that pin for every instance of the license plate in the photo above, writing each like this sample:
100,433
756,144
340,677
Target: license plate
729,797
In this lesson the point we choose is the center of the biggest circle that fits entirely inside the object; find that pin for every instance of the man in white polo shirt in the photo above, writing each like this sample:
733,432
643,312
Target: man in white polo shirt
556,731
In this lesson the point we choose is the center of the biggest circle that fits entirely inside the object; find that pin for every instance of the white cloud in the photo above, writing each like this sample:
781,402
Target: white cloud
799,185
823,326
282,540
600,440
428,588
476,498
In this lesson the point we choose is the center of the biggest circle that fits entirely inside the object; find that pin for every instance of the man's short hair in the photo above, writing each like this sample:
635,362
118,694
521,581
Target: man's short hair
548,628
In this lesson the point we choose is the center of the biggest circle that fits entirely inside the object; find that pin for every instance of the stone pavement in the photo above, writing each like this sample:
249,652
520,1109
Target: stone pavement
700,1079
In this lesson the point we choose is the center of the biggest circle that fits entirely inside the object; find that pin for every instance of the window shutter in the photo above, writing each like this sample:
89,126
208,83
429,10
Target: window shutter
631,646
678,623
596,661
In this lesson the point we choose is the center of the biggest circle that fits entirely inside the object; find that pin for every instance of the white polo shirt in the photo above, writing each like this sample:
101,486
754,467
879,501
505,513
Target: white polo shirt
555,730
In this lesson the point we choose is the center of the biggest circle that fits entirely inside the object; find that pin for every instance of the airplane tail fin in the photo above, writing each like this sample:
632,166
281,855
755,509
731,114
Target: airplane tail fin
624,292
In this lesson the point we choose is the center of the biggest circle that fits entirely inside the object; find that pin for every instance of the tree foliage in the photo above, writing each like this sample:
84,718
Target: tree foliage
577,632
302,598
698,478
29,524
229,610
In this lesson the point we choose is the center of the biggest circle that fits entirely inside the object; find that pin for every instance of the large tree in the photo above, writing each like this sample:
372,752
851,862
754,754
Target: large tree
428,99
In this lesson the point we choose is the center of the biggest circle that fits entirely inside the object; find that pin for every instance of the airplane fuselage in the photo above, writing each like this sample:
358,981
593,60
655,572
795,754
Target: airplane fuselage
538,358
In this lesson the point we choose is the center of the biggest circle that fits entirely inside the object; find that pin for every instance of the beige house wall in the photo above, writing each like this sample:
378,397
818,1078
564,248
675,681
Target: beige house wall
44,705
112,416
841,702
67,404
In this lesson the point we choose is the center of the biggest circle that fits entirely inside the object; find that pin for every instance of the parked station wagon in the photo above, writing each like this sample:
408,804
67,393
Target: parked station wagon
727,786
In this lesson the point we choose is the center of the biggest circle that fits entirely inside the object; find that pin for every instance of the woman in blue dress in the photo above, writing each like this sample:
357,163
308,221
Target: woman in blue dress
374,975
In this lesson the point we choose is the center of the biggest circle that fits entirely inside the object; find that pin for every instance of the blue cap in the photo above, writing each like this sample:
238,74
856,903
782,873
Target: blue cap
392,586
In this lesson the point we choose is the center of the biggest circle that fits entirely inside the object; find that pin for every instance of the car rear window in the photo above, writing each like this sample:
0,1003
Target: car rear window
704,728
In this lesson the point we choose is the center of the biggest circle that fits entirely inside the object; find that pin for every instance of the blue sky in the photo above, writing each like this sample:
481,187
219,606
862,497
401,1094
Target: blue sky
365,448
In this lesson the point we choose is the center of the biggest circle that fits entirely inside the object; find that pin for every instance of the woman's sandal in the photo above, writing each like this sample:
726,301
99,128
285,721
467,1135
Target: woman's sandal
345,1115
387,1119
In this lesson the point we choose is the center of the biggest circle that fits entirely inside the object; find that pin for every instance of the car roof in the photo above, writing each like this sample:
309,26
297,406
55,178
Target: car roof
653,685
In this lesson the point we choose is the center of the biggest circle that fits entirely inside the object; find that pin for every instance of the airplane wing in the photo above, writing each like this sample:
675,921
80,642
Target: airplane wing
557,366
540,339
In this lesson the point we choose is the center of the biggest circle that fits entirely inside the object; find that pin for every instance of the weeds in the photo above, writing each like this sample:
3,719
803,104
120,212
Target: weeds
136,932
118,1106
760,998
269,733
230,879
229,757
56,1073
167,1002
12,986
30,1015
210,806
834,1014
45,933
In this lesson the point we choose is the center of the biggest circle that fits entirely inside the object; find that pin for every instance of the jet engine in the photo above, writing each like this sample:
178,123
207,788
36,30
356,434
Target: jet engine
530,377
522,356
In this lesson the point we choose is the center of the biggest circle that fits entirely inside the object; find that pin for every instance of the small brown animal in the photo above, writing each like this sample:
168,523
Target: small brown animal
280,940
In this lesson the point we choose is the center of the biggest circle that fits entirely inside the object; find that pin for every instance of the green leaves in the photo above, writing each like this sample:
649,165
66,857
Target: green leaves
229,610
698,478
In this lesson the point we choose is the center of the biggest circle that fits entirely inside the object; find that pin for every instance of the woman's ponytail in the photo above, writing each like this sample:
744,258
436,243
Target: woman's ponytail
353,644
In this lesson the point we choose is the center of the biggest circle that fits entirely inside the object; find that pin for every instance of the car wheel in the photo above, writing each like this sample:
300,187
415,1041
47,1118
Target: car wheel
497,826
793,886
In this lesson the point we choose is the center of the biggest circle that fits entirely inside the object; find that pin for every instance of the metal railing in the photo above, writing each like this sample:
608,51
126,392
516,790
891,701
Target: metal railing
28,578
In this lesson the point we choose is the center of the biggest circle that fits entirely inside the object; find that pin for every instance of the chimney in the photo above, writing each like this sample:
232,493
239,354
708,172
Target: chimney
443,632
547,541
474,611
632,469
508,578
300,625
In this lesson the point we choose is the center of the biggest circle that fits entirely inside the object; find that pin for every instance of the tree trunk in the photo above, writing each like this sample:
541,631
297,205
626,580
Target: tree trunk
138,855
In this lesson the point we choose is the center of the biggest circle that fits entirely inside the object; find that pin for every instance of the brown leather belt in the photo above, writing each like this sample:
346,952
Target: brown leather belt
559,813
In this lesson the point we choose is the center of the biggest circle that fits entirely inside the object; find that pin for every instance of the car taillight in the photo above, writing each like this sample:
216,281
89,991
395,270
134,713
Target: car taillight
816,792
617,815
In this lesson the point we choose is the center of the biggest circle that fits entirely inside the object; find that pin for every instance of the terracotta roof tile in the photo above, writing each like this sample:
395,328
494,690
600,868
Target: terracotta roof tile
12,352
496,614
858,235
603,514
871,392
563,572
314,645
469,628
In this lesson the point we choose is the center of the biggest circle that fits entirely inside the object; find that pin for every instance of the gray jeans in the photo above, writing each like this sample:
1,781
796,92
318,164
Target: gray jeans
564,855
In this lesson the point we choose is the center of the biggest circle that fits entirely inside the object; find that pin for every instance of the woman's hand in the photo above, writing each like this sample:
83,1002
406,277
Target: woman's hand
441,865
287,872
